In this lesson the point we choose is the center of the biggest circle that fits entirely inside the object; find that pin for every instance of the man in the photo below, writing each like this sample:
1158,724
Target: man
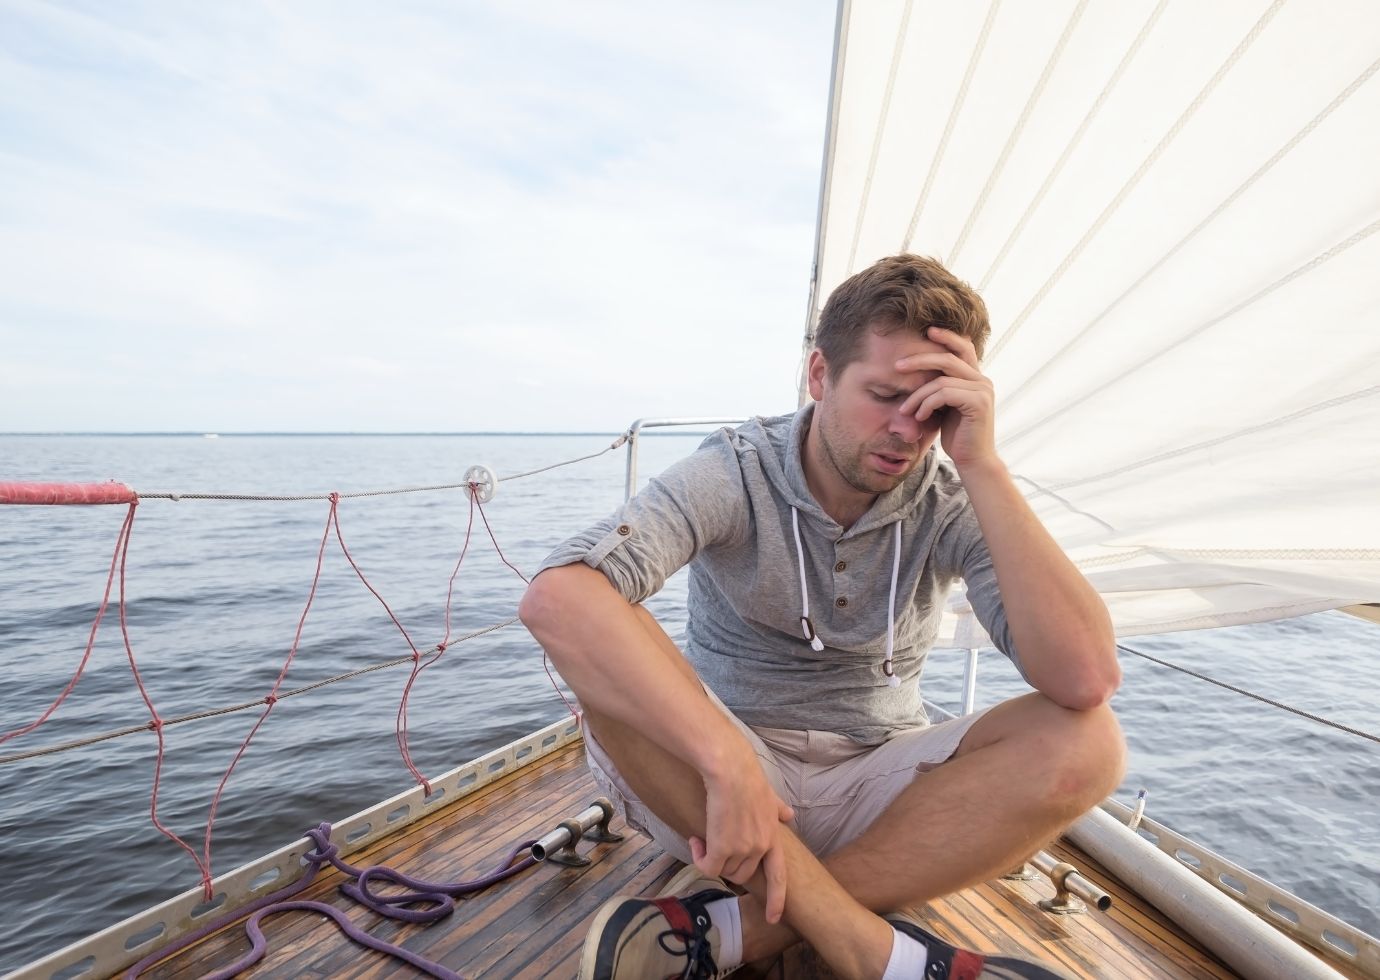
787,751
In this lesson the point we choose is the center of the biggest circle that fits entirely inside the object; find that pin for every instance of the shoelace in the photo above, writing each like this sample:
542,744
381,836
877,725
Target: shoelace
699,961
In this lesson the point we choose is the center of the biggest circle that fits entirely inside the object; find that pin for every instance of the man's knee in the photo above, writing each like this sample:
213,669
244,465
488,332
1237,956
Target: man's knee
1074,758
1085,756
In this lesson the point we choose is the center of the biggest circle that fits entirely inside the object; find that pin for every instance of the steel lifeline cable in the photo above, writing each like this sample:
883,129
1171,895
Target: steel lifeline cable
32,493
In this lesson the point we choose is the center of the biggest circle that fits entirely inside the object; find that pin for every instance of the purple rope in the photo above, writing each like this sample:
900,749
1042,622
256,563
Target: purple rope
260,944
439,895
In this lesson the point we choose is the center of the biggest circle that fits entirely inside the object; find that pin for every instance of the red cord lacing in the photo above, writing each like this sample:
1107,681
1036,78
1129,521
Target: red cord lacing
119,560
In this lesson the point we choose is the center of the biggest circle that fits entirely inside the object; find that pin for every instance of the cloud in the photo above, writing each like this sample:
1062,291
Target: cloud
615,197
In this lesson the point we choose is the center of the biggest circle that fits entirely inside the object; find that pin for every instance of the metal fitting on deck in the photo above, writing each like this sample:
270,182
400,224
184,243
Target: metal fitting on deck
1070,887
592,823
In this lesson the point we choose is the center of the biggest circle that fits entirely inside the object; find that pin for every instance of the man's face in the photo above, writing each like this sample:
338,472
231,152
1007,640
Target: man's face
863,436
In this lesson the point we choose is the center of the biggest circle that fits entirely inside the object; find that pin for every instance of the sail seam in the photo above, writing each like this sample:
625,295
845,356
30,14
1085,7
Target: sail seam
1228,437
1250,181
954,110
1017,132
1242,554
1278,554
1198,331
882,118
1074,142
1066,504
1135,179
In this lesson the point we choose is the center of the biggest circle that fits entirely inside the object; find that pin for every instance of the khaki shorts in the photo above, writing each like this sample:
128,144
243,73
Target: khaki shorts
837,786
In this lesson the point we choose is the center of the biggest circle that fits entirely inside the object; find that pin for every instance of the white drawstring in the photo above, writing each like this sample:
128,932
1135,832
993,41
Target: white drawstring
891,677
806,627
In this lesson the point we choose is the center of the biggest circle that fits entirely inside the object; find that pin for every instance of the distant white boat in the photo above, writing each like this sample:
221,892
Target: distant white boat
210,435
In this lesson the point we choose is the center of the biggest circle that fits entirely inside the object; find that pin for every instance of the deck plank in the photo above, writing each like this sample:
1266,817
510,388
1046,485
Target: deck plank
534,924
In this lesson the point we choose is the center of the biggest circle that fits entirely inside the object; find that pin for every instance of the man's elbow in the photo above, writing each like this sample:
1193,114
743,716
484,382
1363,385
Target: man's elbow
542,604
1092,686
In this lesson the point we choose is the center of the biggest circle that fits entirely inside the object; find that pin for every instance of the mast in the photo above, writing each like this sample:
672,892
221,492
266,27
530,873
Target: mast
826,173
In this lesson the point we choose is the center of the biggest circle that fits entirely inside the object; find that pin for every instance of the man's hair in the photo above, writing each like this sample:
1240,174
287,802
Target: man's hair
902,292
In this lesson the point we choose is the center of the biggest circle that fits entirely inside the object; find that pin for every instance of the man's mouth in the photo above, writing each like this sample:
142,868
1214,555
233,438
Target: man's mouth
891,463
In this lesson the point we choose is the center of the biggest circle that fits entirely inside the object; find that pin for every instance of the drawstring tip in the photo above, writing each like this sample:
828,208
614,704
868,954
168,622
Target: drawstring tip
893,681
817,645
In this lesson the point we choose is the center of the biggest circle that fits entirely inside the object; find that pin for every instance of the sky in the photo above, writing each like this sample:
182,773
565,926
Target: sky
412,216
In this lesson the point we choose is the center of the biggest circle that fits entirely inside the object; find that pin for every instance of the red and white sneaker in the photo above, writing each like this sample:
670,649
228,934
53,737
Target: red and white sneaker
635,938
947,962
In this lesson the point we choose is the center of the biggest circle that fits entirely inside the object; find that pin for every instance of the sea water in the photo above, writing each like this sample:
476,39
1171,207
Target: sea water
216,590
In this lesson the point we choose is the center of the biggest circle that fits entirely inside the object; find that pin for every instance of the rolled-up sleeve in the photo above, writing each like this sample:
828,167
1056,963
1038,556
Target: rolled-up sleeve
697,503
962,552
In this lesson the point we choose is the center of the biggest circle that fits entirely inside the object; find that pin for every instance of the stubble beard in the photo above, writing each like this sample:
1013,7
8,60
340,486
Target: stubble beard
852,469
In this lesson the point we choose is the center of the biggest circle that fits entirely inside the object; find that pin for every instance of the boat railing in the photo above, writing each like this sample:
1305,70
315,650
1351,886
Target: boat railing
1276,905
117,946
635,430
1283,910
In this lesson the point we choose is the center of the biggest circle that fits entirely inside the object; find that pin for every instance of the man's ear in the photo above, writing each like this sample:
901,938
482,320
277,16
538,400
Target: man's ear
816,370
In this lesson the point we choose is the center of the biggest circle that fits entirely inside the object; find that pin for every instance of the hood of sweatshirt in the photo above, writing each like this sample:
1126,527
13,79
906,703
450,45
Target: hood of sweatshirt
780,444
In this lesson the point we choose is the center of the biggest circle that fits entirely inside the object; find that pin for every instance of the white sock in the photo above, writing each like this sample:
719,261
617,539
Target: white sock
724,916
908,958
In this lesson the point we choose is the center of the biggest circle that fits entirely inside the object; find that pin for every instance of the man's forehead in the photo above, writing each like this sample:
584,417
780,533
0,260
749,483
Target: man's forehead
880,352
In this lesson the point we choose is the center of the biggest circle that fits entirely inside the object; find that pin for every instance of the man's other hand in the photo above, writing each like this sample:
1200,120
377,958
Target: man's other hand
744,815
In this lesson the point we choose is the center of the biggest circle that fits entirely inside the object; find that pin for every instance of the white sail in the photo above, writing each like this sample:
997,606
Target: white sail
1171,210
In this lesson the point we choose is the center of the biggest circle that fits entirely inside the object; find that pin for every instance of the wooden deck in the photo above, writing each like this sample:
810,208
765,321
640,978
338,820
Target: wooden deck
533,925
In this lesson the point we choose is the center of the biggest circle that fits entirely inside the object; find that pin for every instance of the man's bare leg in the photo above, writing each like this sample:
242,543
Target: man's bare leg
854,941
1022,773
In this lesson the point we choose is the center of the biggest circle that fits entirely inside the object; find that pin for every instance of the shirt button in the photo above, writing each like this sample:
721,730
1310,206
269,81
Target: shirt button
841,602
624,530
840,566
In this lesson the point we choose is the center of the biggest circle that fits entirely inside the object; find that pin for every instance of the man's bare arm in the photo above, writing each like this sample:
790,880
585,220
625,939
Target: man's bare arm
1059,624
606,653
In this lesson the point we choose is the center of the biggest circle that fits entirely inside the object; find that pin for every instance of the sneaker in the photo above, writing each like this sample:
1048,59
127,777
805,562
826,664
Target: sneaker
691,879
948,962
670,936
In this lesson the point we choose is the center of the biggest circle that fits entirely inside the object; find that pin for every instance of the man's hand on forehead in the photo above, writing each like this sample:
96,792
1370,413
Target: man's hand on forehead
960,397
958,360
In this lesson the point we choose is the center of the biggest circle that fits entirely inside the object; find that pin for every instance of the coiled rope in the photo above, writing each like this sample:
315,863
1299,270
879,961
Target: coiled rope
438,897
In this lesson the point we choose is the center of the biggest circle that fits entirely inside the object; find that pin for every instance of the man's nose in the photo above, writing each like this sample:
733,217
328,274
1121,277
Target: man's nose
904,426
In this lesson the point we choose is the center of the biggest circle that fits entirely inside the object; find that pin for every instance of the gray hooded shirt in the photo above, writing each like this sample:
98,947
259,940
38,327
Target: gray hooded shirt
727,511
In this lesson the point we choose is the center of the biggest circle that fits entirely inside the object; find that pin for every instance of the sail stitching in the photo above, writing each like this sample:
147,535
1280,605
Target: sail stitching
1193,332
882,119
1219,440
1243,554
1250,181
1135,179
954,111
1104,560
1067,504
1074,142
1288,554
1017,131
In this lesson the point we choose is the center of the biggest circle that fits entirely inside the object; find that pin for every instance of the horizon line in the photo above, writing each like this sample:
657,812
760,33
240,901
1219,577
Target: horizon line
196,433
